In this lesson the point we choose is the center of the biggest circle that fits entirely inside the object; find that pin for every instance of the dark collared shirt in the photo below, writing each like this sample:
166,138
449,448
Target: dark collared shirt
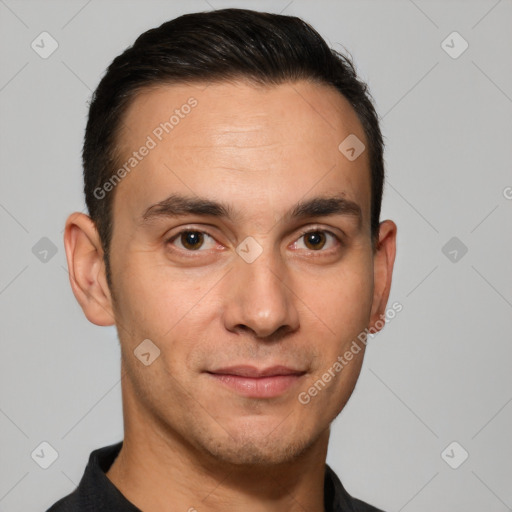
96,493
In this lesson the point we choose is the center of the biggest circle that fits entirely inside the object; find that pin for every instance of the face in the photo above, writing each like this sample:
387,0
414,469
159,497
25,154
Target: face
241,248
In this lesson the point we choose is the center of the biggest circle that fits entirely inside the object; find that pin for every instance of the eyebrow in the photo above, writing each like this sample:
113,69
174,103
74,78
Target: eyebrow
177,205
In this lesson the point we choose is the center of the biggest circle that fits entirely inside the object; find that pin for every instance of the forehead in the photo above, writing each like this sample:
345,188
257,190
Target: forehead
237,140
300,109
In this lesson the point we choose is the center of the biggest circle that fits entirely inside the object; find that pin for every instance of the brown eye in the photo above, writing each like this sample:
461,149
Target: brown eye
315,240
318,240
191,240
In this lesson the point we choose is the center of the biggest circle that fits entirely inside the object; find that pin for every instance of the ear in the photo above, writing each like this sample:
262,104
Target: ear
87,270
383,261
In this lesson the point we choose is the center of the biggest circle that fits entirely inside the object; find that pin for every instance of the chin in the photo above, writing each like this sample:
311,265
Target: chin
261,454
259,446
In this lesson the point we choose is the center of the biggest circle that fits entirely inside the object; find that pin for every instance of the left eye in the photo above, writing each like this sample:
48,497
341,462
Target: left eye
317,239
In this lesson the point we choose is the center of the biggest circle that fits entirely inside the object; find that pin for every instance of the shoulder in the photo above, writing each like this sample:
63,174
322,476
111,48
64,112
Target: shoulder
68,503
338,499
361,506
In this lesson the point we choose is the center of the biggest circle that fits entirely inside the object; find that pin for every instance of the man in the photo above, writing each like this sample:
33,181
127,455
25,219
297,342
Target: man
233,174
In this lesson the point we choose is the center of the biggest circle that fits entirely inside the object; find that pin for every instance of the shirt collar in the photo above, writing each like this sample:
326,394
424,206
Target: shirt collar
96,489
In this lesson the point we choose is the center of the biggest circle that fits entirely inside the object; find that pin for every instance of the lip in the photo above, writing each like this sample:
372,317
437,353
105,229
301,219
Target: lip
255,382
253,372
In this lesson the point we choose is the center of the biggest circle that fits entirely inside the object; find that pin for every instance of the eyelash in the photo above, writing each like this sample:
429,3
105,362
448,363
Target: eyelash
302,234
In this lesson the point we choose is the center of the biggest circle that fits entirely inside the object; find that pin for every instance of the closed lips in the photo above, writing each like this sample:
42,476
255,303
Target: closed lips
255,373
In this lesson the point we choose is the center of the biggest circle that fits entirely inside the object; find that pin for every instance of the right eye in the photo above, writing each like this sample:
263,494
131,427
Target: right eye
192,240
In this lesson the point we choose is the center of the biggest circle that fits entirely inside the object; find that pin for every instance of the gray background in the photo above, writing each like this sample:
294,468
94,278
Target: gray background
439,372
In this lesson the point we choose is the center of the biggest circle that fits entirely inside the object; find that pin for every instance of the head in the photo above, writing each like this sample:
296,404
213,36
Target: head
213,145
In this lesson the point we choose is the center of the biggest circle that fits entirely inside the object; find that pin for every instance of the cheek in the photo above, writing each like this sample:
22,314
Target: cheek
342,299
343,306
151,300
171,309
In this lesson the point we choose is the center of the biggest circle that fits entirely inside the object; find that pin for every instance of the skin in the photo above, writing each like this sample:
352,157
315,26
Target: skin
190,441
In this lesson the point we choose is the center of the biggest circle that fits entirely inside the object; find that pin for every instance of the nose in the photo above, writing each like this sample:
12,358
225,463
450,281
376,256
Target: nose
259,299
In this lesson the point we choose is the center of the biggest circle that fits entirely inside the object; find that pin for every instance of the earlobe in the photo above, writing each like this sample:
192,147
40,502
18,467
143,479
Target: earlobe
86,269
383,262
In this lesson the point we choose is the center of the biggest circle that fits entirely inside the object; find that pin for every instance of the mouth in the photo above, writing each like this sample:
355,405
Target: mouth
254,382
